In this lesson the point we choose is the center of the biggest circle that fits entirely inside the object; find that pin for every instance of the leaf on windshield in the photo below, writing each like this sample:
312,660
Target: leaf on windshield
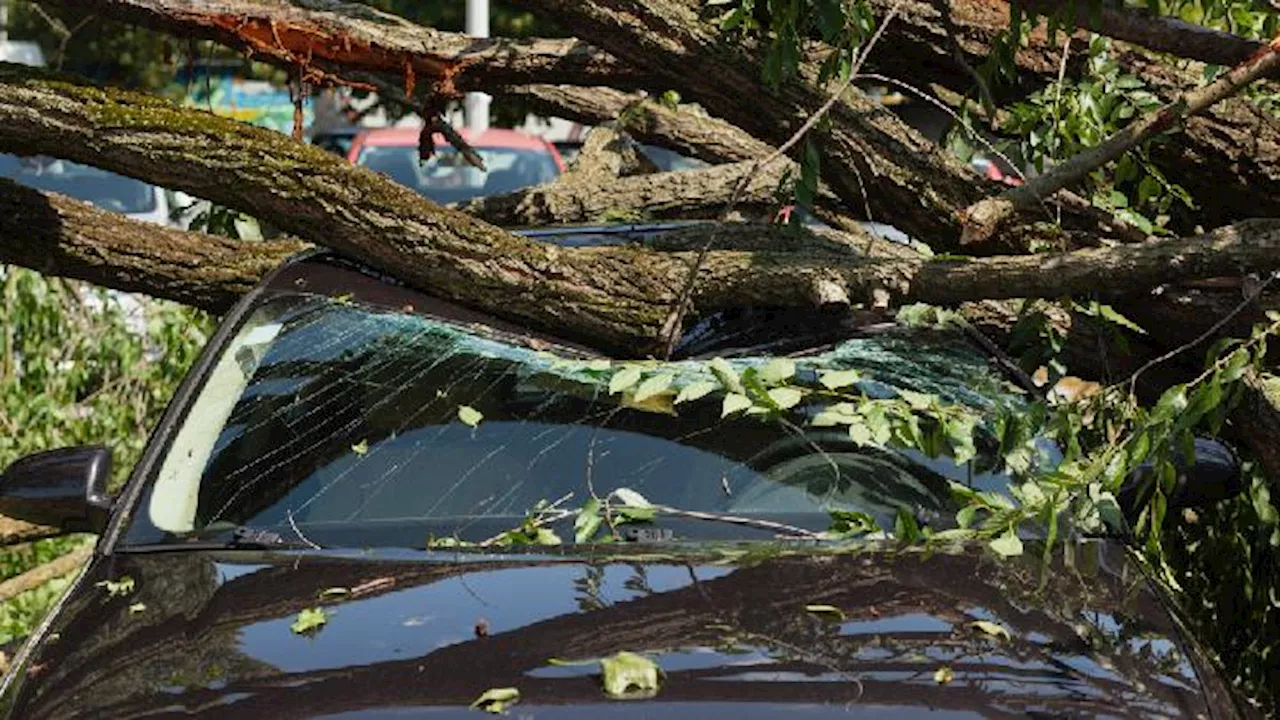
587,522
137,607
117,588
496,700
695,391
734,402
630,497
629,675
943,675
469,416
785,397
1007,545
361,448
836,379
827,612
309,620
624,378
778,371
995,630
725,374
653,385
917,401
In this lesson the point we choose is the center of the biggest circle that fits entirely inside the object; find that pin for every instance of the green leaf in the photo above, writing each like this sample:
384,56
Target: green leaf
943,675
1007,545
695,391
309,620
117,588
918,401
627,674
836,379
137,607
734,402
546,536
469,415
777,371
785,397
725,374
829,612
496,700
653,385
860,433
625,378
587,522
630,498
361,448
993,629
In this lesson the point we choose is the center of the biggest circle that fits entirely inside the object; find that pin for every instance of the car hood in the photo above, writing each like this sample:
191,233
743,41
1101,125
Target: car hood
743,632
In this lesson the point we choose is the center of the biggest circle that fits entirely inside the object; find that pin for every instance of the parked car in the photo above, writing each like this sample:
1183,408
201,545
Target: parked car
107,190
294,541
513,160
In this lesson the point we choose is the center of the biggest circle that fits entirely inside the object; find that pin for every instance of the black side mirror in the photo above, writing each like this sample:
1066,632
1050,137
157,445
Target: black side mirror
64,488
1214,476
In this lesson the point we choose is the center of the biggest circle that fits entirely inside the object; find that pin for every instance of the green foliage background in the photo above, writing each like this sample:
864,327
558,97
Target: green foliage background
72,372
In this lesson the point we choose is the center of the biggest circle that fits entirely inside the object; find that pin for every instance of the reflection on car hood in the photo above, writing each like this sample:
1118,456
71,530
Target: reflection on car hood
738,633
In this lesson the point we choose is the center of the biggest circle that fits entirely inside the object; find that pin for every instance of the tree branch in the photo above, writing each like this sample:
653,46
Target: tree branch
340,37
986,217
70,238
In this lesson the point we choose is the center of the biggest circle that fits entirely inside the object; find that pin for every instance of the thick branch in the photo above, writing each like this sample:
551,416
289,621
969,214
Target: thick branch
986,217
683,129
56,235
14,531
342,37
1162,34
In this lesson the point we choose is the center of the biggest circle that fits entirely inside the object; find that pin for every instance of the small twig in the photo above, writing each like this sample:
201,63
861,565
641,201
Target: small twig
738,520
1057,96
296,531
985,217
551,513
1248,300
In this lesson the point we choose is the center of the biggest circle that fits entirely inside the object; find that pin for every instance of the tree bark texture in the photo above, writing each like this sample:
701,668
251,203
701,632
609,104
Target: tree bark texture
56,235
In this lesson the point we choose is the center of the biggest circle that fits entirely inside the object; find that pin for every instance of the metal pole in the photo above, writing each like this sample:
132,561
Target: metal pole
477,104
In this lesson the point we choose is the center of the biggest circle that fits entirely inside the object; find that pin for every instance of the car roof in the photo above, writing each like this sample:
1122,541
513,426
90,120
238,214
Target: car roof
493,138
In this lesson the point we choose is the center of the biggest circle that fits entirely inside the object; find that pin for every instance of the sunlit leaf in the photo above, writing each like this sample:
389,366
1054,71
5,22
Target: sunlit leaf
836,379
631,498
469,416
361,448
694,391
778,370
627,674
496,700
918,401
653,385
943,675
785,397
137,607
1007,545
725,374
309,620
993,629
117,588
625,378
734,402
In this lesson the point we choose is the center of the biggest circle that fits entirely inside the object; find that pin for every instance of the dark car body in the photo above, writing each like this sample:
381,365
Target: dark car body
742,624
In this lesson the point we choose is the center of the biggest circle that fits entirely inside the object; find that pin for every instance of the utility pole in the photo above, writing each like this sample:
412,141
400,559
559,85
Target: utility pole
476,104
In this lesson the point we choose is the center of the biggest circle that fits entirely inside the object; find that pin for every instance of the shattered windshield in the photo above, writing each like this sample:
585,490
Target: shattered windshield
360,425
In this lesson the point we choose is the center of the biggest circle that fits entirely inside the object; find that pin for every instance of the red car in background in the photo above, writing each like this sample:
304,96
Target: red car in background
512,159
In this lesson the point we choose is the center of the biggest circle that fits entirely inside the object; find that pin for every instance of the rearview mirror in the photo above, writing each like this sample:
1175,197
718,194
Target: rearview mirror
64,488
1213,476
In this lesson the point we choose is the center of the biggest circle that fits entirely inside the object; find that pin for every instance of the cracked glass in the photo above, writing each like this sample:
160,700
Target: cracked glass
336,420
